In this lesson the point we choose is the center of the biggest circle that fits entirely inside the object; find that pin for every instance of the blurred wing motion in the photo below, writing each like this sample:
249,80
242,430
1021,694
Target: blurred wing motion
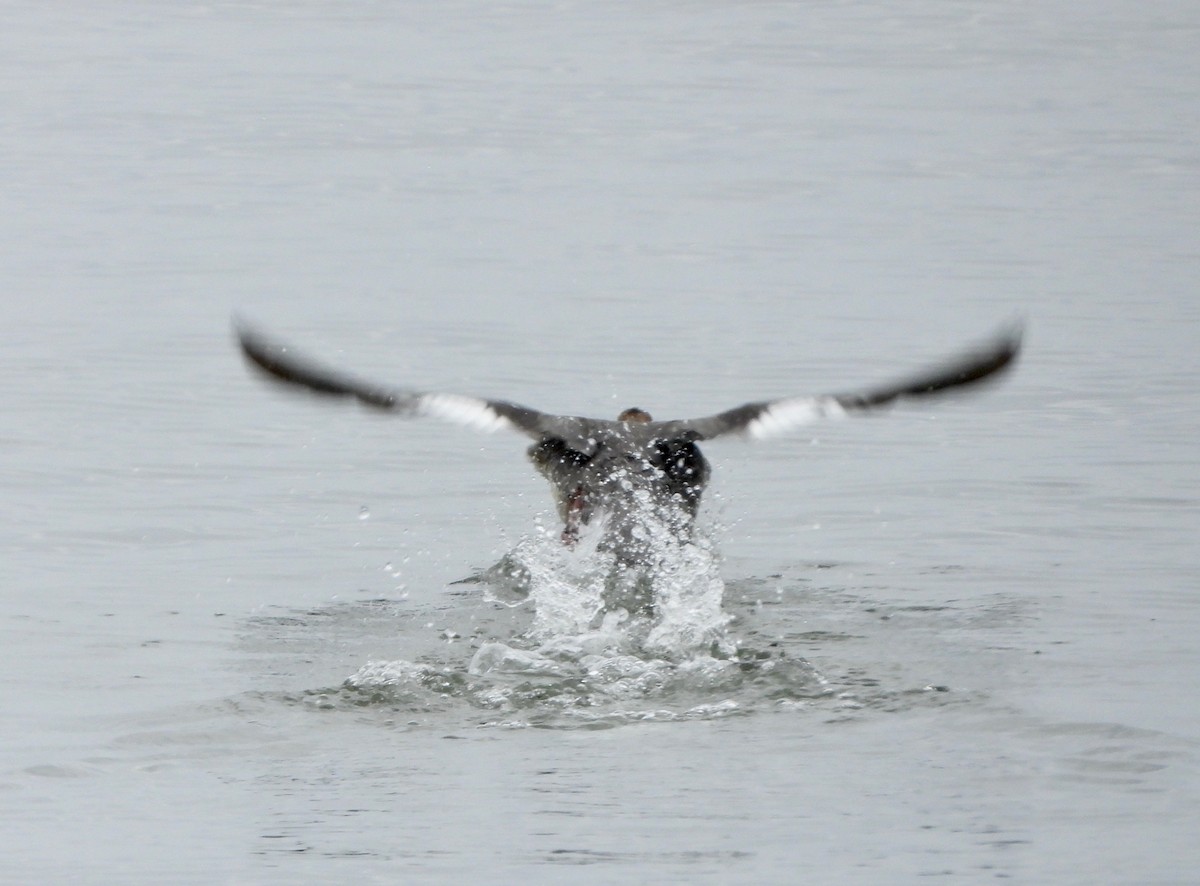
757,420
771,417
281,364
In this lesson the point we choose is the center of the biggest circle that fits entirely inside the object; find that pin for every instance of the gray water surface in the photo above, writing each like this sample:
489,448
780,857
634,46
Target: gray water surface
961,640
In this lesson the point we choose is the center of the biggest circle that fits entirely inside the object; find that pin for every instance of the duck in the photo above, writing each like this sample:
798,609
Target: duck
632,471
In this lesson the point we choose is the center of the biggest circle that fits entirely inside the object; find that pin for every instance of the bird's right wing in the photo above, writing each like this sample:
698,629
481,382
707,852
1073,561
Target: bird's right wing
282,364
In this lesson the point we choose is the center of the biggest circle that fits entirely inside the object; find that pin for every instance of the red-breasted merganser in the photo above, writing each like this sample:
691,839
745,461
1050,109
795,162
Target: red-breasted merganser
632,466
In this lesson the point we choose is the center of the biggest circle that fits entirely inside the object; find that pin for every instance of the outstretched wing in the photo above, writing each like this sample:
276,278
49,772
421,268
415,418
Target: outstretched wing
282,364
770,417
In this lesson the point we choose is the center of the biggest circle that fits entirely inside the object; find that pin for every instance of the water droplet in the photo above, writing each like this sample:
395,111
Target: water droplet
364,513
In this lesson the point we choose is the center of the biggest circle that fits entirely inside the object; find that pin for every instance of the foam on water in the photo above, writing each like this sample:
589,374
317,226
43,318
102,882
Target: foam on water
610,640
528,687
666,602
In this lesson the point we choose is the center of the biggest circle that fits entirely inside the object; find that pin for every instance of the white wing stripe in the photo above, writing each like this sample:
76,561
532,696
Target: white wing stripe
784,415
469,411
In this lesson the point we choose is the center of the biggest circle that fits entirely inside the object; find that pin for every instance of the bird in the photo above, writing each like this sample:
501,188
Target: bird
633,473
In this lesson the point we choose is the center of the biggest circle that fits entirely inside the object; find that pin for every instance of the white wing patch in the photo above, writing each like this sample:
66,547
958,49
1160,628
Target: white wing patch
782,416
469,411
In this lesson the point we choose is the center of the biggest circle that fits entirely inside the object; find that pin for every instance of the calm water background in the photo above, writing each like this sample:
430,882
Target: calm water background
583,207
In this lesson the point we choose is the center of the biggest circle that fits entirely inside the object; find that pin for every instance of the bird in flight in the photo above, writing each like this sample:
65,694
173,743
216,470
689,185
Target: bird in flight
626,471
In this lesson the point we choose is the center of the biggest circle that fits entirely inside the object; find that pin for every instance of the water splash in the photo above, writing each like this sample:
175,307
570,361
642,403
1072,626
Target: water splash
526,687
658,593
613,638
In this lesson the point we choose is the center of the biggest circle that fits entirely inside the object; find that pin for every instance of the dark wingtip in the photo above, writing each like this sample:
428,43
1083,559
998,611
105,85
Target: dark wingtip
256,349
1009,343
992,359
242,329
249,340
1000,354
985,363
277,363
1012,335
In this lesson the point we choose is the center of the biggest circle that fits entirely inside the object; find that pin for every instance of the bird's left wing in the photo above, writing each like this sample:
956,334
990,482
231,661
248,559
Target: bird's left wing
768,418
